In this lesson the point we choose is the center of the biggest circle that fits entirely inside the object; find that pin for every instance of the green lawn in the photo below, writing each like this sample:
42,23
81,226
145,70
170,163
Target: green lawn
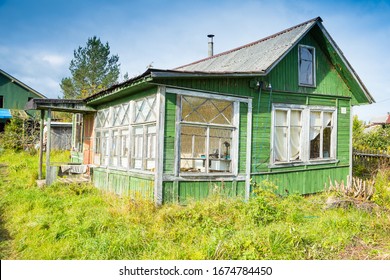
81,222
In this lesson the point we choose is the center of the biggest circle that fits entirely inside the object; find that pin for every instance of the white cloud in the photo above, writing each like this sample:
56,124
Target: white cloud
53,59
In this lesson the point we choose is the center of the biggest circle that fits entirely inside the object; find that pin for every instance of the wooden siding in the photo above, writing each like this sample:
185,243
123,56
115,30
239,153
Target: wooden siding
15,96
170,131
122,183
284,77
185,192
304,181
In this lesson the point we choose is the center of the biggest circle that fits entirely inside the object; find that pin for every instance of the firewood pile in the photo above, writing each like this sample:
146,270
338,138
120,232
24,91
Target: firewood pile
355,192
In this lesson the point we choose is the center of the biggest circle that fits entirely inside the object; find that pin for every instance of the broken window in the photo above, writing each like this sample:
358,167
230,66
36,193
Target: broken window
306,66
321,127
207,129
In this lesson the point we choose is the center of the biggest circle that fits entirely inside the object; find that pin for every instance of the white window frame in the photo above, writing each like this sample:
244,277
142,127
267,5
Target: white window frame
305,135
332,154
313,50
122,157
288,109
234,153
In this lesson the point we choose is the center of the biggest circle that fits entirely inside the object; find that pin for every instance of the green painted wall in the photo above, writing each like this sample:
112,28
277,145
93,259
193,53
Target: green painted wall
170,131
185,192
123,183
14,95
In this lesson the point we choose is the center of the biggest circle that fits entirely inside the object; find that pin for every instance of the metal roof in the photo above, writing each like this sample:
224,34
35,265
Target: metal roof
257,57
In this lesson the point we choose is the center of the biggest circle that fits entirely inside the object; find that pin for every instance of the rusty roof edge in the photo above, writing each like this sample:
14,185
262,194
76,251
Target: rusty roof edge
370,98
117,87
252,43
159,73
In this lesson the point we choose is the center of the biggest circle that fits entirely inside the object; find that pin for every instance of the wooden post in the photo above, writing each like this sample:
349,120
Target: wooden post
41,144
48,146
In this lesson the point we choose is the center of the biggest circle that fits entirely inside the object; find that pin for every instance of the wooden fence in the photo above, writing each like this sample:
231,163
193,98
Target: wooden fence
367,162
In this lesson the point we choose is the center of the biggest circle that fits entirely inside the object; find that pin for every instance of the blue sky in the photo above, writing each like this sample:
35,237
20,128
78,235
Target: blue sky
39,37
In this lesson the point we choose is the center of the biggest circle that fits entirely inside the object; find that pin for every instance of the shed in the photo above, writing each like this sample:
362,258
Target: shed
278,109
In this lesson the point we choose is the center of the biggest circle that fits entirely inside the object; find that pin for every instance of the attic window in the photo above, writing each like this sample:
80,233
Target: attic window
306,66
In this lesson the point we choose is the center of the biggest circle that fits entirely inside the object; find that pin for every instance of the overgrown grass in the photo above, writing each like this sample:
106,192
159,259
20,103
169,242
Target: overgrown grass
81,222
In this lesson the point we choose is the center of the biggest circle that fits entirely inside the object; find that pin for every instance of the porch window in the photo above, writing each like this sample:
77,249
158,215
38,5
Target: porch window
306,65
303,134
207,135
144,134
125,135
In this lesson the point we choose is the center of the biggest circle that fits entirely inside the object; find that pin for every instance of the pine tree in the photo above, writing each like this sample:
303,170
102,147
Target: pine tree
92,70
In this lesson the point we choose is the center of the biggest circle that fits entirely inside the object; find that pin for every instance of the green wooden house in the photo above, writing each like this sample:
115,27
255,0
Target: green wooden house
278,109
13,95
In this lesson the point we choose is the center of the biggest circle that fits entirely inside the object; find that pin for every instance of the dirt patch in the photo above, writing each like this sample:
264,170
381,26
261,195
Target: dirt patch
359,250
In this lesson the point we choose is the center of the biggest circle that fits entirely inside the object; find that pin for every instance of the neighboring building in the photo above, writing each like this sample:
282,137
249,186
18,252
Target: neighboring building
278,109
380,120
13,95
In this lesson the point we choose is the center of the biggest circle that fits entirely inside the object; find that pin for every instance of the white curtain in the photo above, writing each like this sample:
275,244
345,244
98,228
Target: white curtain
295,134
280,135
315,124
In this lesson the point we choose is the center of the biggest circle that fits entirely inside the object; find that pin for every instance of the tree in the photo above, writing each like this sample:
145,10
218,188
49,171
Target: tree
92,69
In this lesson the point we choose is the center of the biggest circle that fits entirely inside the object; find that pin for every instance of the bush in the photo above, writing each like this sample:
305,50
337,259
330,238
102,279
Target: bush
20,134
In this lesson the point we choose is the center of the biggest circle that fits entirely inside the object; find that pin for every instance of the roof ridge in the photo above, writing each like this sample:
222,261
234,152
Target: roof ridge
252,43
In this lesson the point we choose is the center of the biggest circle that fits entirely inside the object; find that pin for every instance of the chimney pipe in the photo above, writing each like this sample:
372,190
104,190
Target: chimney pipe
211,44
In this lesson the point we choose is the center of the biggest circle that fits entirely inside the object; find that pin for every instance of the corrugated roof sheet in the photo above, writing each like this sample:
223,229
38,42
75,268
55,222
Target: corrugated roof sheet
259,56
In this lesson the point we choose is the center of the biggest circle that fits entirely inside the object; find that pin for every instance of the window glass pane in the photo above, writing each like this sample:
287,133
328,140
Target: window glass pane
203,110
220,142
98,148
327,119
315,142
124,148
306,54
145,110
295,118
102,118
306,65
280,118
280,140
121,114
193,142
327,143
151,142
315,119
295,143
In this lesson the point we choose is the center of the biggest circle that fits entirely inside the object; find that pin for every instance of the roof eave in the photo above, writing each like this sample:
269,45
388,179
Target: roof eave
157,73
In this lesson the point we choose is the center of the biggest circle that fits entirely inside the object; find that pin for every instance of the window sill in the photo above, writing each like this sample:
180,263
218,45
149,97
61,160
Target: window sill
308,86
304,163
131,170
204,177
